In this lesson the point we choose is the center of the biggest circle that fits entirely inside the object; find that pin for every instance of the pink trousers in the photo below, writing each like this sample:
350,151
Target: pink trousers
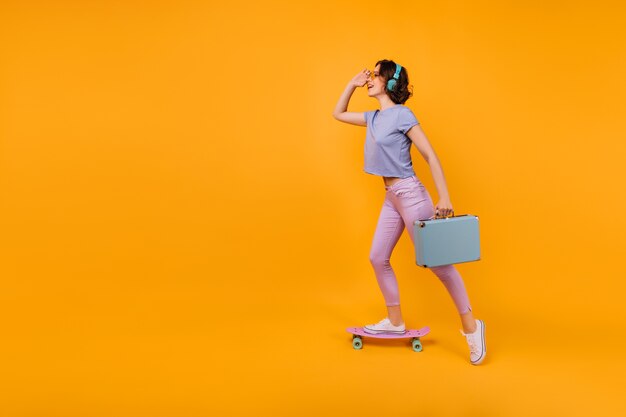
406,201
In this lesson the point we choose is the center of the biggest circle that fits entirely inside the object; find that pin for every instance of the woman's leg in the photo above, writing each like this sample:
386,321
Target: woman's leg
388,231
468,322
414,203
453,282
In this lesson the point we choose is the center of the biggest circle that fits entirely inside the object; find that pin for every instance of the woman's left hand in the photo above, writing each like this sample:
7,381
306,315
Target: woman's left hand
443,208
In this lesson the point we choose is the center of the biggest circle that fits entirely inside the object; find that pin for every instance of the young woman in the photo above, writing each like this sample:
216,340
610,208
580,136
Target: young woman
390,132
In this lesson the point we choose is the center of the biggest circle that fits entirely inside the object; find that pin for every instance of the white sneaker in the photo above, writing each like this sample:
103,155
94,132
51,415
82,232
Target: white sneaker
476,343
384,326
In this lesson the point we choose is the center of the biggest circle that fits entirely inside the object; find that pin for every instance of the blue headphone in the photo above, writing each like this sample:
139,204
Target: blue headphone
392,82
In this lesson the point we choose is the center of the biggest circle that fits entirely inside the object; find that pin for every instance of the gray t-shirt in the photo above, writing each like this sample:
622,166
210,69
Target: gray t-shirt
387,148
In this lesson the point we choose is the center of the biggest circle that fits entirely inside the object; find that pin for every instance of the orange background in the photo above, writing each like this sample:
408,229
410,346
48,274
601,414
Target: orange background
186,228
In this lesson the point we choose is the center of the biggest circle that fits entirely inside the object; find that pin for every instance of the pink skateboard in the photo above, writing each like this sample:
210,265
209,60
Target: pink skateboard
358,333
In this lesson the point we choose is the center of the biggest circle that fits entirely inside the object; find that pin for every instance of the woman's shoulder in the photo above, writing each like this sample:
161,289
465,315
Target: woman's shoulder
406,111
401,108
397,109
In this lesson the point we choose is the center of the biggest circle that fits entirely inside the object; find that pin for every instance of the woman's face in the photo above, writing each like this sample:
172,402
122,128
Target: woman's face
376,84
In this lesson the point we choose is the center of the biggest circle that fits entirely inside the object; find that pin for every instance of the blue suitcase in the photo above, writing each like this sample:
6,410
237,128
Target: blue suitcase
446,241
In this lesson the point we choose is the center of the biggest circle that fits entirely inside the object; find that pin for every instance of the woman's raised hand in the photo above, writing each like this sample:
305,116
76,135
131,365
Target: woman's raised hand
361,78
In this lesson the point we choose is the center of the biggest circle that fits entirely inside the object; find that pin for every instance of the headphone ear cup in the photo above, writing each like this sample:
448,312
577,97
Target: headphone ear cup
392,82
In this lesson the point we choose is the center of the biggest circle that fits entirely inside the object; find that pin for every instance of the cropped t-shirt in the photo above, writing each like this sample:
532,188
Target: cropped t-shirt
387,148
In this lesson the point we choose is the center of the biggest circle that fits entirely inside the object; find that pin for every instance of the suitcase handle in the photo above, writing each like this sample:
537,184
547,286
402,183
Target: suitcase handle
422,224
449,217
441,217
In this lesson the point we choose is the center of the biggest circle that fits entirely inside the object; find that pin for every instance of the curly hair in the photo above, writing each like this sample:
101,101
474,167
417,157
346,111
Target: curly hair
401,92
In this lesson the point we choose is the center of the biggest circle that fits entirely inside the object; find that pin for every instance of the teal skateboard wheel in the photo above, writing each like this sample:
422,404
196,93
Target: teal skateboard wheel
417,345
357,343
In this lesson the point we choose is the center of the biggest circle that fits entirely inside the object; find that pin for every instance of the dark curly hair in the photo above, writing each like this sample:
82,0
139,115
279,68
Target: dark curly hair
401,91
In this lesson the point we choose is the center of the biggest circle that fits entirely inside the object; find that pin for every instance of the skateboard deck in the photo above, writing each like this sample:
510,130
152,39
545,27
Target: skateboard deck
358,333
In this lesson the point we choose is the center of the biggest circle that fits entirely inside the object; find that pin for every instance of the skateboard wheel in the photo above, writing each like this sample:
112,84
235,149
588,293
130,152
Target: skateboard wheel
417,345
357,343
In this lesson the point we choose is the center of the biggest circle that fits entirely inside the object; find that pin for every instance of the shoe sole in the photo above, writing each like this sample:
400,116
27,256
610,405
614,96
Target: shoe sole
482,335
383,331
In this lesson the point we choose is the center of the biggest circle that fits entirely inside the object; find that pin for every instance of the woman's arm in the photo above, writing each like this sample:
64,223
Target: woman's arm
340,113
418,137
